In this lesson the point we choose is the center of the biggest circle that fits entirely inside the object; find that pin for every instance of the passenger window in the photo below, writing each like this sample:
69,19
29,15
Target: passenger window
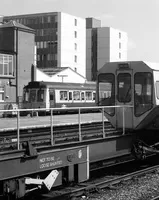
106,92
88,96
124,87
76,95
143,92
94,96
70,96
25,96
82,96
63,95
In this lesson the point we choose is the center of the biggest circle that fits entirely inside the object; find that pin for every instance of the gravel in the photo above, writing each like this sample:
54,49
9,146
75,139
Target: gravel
145,187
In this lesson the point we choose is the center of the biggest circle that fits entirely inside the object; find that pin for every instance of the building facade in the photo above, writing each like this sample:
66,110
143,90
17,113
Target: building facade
17,48
60,39
103,44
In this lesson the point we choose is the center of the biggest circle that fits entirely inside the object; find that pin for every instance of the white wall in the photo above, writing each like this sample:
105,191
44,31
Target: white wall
70,76
67,40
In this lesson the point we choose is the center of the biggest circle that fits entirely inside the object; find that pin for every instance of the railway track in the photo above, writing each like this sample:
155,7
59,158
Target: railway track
96,185
63,134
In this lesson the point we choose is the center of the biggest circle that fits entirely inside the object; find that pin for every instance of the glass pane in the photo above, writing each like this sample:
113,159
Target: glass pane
32,95
1,68
40,95
63,95
88,96
143,92
124,87
76,95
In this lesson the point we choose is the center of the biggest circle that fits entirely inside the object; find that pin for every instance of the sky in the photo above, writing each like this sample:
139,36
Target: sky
139,18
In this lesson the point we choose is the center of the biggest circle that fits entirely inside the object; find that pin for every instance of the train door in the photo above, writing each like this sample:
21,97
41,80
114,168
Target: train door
124,98
52,98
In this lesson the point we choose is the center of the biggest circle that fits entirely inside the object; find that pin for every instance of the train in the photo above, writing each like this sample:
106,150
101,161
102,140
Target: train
133,85
40,94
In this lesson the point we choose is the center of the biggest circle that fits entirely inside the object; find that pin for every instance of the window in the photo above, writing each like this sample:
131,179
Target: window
75,22
40,95
119,55
6,64
106,92
75,59
70,96
124,87
143,92
32,96
88,96
75,33
76,95
119,45
119,35
82,96
63,95
75,46
1,93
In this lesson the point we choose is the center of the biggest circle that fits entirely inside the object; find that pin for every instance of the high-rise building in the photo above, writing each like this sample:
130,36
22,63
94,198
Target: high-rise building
103,44
60,39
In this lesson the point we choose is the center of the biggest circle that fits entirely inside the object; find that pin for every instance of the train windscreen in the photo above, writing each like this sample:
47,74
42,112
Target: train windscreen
106,94
143,92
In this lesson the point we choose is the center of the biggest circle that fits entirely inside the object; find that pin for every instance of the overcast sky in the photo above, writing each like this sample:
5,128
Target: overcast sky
139,18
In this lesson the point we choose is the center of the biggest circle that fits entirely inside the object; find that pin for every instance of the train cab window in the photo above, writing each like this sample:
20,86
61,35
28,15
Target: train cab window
63,96
88,96
32,96
143,92
76,95
106,92
82,96
124,87
40,95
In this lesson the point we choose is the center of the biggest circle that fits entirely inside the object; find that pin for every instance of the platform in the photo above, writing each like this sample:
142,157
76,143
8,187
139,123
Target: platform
11,123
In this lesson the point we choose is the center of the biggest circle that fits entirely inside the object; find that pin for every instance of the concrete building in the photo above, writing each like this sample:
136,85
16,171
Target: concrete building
103,44
60,39
16,57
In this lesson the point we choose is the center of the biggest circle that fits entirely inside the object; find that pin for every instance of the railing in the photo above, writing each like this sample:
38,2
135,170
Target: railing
52,110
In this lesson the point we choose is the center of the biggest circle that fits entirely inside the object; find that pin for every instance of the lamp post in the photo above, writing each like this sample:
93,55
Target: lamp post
62,76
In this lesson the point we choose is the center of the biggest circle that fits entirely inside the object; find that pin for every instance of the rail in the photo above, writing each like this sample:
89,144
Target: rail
51,110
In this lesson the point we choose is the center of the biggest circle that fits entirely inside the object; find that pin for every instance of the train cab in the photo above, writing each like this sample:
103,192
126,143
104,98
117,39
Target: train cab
132,90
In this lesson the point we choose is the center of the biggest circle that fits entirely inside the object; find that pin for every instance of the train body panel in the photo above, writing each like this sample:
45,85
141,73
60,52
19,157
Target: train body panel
58,95
133,85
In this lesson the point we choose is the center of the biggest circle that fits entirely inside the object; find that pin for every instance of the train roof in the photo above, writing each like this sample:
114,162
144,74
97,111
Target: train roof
136,65
60,85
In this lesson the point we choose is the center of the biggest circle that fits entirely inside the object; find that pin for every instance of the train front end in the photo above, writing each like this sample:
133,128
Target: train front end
127,90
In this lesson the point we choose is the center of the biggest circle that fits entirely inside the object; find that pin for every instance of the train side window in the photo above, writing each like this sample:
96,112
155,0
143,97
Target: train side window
40,95
88,96
63,95
76,95
106,92
32,96
124,87
70,96
143,92
94,96
82,96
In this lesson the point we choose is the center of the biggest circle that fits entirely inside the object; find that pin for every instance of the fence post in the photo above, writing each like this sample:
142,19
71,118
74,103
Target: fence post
123,120
79,123
103,122
18,136
51,119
